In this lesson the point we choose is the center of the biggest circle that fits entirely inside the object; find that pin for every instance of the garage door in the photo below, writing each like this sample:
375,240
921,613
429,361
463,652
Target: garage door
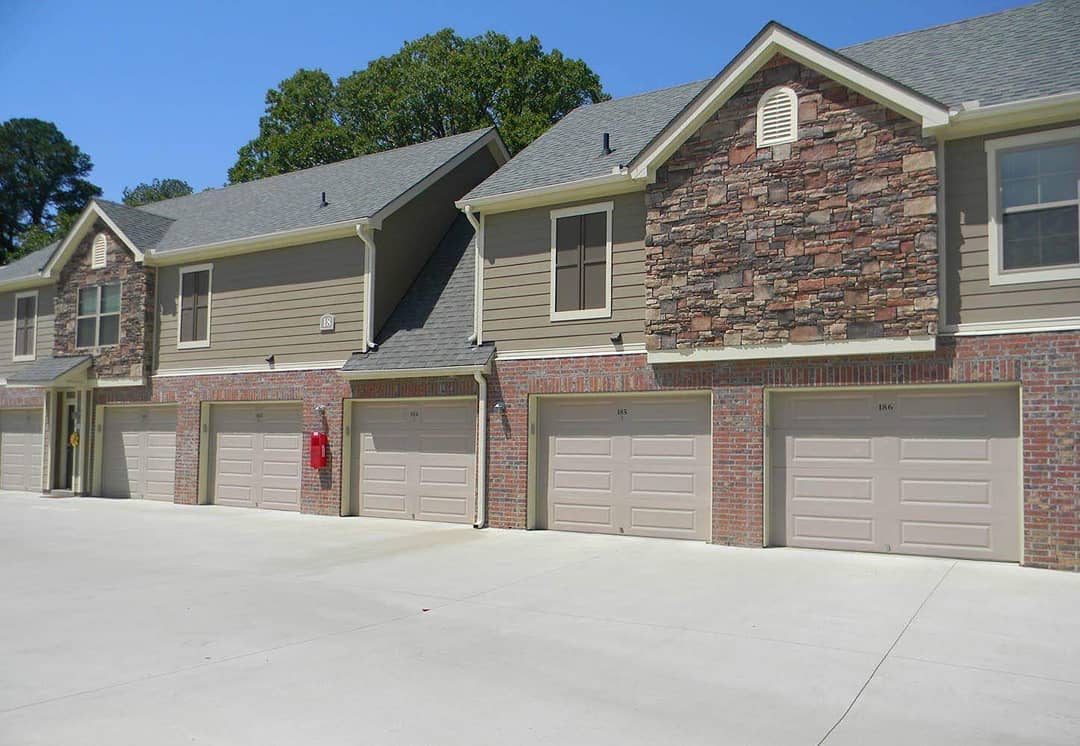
931,472
626,465
256,456
139,452
20,449
415,460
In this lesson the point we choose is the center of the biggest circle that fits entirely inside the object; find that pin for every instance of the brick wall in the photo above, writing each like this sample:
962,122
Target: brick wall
832,237
320,488
1045,364
130,358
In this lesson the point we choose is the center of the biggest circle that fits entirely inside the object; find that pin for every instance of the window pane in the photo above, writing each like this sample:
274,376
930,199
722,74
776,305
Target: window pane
84,332
88,301
1020,192
567,240
1057,187
1042,238
110,299
201,323
110,330
595,282
24,312
595,237
187,321
1038,175
567,297
1019,164
1059,158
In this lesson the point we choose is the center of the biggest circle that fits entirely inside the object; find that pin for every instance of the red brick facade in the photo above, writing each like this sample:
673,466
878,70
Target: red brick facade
320,488
1044,364
831,237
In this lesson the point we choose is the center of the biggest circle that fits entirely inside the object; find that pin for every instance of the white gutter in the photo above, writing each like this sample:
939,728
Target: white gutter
459,370
475,223
616,182
481,450
366,232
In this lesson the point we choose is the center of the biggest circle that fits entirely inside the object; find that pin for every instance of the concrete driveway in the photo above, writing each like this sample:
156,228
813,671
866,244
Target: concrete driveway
128,622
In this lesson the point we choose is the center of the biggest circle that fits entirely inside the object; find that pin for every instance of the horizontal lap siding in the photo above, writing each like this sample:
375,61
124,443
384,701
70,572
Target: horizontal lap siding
43,343
970,298
517,281
270,302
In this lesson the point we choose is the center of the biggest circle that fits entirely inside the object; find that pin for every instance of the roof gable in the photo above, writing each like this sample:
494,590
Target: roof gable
92,212
772,40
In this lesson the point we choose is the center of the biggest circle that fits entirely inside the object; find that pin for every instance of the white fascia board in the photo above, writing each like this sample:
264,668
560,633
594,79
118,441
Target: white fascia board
788,350
981,120
252,244
596,186
459,370
240,369
772,40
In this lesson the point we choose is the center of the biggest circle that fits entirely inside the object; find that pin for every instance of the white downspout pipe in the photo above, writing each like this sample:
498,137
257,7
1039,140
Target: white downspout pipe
476,272
367,234
481,450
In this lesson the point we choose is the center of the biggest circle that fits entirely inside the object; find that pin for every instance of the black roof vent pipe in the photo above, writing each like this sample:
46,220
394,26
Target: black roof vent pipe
607,144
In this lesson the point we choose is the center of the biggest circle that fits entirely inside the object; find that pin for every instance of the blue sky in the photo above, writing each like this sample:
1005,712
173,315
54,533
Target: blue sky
172,89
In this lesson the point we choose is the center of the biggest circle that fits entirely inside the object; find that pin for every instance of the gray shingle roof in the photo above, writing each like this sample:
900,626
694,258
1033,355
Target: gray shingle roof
29,265
356,188
1007,56
571,150
47,369
143,228
431,324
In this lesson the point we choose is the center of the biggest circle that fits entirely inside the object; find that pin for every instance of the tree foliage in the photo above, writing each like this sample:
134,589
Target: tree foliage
155,191
439,85
43,184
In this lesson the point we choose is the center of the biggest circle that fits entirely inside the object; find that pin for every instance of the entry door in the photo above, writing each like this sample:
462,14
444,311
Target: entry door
257,455
415,460
139,457
20,449
626,465
929,472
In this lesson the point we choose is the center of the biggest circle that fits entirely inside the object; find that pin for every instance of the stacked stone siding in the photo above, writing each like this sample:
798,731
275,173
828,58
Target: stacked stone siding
831,237
1044,365
132,356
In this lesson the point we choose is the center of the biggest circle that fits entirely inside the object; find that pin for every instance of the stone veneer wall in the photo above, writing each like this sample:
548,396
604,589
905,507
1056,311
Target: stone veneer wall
132,357
832,237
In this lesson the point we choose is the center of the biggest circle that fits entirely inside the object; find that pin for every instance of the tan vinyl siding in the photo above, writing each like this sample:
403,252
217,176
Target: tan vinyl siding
270,302
969,296
410,235
43,337
517,281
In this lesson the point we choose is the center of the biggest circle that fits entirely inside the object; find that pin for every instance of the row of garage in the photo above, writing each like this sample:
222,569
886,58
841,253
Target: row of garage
915,470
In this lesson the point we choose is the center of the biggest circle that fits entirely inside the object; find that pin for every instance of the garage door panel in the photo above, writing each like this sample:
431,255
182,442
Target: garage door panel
257,455
938,474
415,459
139,456
21,446
629,464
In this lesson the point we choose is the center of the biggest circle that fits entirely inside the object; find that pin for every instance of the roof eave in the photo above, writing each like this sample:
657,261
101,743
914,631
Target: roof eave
617,182
976,120
454,370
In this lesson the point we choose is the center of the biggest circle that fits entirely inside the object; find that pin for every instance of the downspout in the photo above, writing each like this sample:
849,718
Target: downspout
367,234
476,274
481,450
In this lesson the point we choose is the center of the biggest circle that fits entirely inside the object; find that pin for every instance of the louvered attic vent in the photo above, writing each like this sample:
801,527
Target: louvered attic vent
777,117
97,256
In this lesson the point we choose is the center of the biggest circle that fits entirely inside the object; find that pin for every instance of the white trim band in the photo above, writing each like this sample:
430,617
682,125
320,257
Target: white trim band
982,328
636,348
263,368
795,350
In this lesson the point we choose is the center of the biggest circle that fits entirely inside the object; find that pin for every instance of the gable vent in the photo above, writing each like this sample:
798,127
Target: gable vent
97,256
777,117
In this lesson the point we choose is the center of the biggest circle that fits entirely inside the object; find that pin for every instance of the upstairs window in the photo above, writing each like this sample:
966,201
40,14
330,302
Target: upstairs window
195,306
1035,206
99,251
25,325
777,117
581,262
98,322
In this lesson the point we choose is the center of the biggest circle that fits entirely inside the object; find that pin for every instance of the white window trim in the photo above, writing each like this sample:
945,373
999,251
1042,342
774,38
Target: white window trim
793,98
588,313
97,329
94,264
995,234
200,343
15,328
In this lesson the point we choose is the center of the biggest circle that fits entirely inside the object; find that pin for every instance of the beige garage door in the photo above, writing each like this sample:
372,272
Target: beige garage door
415,460
256,455
139,452
20,449
626,465
931,472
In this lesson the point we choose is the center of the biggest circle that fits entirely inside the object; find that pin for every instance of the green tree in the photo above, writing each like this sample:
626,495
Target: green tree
155,191
441,84
300,129
42,177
